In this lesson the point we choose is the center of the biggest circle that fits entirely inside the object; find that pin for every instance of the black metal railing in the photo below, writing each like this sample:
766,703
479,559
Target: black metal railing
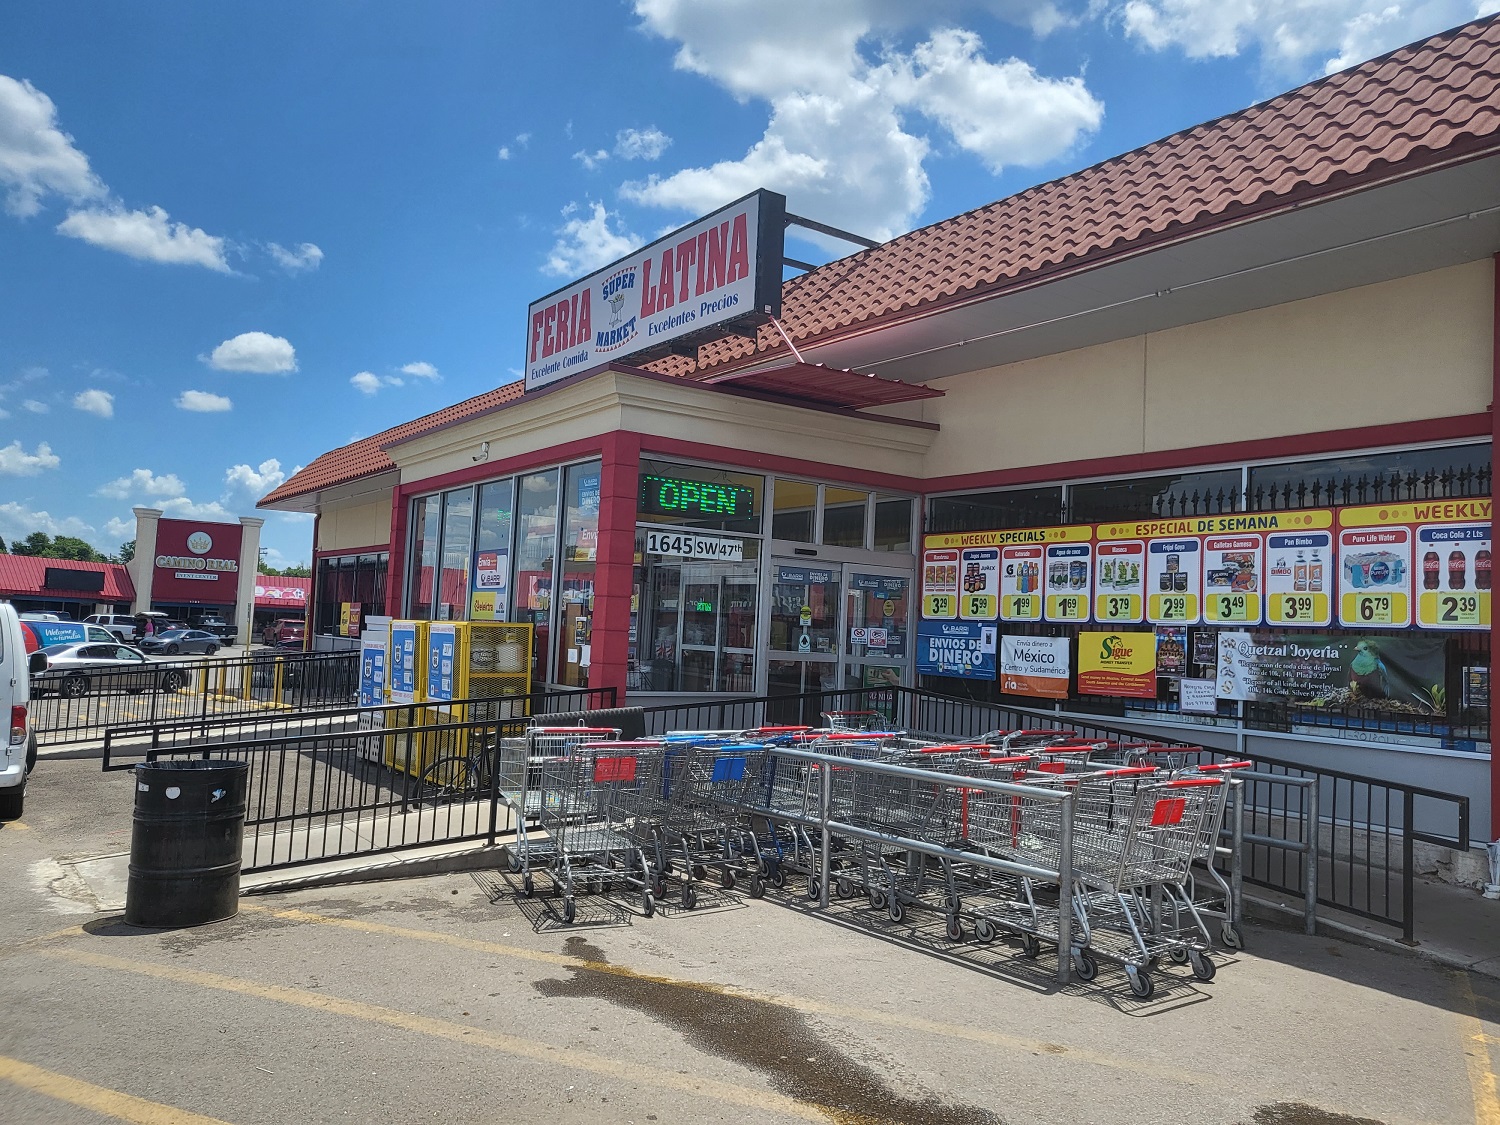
79,705
328,795
128,743
1367,828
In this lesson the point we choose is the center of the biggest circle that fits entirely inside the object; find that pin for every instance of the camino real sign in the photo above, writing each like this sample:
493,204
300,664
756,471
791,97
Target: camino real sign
196,563
719,273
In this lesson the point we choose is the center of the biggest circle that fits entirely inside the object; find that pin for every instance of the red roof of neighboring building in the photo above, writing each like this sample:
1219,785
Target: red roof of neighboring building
1430,103
275,592
25,576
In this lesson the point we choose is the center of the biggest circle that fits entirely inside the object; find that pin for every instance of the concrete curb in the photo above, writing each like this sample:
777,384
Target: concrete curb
475,857
1262,909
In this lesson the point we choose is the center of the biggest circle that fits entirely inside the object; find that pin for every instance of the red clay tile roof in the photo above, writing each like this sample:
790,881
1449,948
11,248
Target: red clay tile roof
365,457
1424,105
23,576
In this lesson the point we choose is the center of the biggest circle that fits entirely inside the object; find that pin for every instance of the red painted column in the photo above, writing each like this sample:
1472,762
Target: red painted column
614,565
395,569
1494,825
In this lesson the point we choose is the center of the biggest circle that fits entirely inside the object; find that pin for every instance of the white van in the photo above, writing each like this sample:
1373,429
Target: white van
17,739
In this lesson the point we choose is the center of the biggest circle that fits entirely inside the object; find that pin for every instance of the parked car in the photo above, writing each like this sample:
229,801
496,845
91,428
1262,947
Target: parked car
18,741
218,627
289,632
75,669
122,625
174,641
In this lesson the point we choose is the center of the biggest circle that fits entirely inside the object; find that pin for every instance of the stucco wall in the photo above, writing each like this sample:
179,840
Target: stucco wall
1418,347
355,524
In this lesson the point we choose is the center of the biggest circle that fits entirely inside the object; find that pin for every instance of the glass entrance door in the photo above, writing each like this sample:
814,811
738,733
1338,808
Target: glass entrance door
803,640
877,643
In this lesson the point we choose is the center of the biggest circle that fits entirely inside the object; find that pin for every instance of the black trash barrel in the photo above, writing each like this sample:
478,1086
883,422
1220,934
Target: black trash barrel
185,843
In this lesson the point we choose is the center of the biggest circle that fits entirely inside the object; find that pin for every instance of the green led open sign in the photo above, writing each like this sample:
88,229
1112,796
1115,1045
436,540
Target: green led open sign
704,607
669,496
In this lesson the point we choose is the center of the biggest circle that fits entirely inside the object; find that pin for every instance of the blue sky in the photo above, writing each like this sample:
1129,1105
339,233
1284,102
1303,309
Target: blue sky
233,237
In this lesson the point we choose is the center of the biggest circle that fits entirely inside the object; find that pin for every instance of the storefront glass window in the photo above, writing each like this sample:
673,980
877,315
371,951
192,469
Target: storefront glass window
1373,478
992,511
348,582
693,628
426,522
805,609
893,523
692,496
489,581
458,532
794,504
579,549
536,550
844,511
1183,494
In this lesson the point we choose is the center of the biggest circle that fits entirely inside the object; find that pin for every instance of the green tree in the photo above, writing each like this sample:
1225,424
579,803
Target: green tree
126,552
38,543
2,546
41,545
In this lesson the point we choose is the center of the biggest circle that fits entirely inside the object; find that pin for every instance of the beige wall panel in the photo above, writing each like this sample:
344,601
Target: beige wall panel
1066,407
355,524
1417,347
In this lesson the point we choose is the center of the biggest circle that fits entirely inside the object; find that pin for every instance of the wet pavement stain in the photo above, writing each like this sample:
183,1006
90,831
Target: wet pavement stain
1298,1113
766,1037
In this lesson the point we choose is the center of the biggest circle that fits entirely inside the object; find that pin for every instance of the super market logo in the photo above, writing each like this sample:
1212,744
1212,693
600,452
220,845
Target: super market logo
616,290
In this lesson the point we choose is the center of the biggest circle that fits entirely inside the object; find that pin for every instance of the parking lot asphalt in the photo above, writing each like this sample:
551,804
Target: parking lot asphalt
452,999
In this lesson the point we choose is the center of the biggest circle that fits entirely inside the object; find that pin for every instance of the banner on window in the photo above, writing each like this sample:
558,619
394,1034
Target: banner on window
1037,666
1403,675
1117,663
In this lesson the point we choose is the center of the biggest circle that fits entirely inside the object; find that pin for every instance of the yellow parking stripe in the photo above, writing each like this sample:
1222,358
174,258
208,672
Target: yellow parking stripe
100,1099
1477,1054
1175,1074
636,1074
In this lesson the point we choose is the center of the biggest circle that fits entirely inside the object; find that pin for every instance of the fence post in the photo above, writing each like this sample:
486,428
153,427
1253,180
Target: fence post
492,760
1237,857
1310,858
1408,861
1065,889
825,802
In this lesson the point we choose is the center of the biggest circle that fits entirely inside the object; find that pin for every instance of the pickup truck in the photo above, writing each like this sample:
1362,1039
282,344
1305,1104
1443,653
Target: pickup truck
288,633
218,627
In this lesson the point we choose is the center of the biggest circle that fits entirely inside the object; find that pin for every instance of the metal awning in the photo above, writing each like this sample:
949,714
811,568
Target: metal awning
826,386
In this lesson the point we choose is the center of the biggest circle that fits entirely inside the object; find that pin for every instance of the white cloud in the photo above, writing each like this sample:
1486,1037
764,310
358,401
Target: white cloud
420,370
305,256
116,528
1290,34
256,352
591,160
16,462
367,382
35,407
523,139
258,480
183,507
94,401
149,235
203,402
584,244
142,483
504,153
844,140
36,157
641,144
17,521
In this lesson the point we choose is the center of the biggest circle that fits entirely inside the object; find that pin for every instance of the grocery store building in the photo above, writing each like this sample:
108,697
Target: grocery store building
1199,436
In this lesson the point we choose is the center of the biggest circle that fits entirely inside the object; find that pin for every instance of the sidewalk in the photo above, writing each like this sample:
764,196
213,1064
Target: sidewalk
1455,926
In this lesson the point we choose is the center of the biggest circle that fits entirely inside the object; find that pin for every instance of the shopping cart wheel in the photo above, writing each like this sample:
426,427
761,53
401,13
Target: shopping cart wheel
512,860
726,879
1141,984
877,900
896,911
1179,956
757,887
595,886
689,896
699,871
1085,968
1031,949
1231,937
954,929
984,931
843,887
778,877
954,904
569,911
648,904
528,888
1203,965
659,888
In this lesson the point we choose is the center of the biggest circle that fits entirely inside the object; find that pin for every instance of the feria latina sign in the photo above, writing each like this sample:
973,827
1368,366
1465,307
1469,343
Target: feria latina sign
720,273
